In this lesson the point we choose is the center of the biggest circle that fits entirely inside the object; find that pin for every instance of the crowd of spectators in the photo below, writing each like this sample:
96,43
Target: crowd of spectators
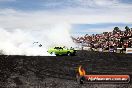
108,40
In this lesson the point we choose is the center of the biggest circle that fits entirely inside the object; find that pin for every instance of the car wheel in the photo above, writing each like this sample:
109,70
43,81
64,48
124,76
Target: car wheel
52,53
57,54
73,54
68,54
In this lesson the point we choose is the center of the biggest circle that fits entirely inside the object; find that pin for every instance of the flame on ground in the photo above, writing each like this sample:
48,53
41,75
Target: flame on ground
81,71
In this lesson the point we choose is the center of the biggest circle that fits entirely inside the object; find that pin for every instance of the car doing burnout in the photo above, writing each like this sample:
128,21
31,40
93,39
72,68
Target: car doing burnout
62,51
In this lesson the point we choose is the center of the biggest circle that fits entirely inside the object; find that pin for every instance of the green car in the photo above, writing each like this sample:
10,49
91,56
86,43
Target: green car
62,51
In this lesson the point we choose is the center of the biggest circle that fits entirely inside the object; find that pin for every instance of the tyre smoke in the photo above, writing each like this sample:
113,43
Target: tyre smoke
34,41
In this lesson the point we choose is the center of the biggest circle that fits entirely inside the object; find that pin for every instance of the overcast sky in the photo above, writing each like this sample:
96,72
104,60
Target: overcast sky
85,16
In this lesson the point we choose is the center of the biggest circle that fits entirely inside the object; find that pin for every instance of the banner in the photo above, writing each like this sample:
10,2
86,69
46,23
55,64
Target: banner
128,50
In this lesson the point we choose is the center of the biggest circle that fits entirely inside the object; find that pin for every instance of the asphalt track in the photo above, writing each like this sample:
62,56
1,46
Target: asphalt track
60,71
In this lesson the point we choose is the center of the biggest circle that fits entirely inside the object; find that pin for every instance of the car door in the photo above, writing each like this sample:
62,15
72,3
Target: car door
56,50
61,51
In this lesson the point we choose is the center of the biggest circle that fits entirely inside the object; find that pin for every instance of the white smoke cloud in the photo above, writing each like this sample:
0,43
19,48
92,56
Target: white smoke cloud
21,41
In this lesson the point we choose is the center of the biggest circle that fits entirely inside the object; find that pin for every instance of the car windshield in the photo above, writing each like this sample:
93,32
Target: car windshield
57,48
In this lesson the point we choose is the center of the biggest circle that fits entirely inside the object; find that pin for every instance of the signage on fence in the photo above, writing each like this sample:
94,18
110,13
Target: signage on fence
128,50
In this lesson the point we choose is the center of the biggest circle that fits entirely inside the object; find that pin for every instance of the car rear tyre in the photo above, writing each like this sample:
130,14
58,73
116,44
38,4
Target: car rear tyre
68,54
57,54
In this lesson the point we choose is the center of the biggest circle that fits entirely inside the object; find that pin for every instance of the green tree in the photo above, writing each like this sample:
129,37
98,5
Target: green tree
127,29
116,29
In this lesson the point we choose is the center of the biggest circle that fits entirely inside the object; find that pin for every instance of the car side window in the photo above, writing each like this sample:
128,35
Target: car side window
61,48
57,48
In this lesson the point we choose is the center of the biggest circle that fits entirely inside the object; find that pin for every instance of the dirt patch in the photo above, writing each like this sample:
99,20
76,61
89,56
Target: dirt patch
60,71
